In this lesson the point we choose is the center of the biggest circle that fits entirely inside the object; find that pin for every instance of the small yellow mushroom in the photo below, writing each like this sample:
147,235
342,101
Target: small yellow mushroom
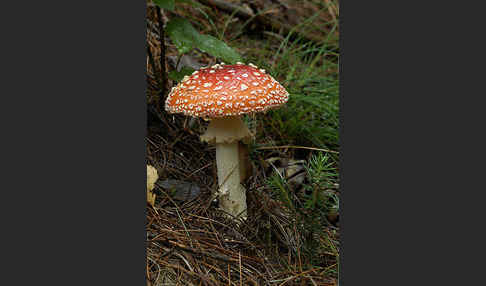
152,177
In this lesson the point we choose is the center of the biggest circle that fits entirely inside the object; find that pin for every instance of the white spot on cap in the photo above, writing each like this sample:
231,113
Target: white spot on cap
192,87
243,86
211,71
255,83
207,84
226,77
244,75
218,87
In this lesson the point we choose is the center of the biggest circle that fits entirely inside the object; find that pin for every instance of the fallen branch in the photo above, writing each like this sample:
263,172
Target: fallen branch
267,22
296,147
163,59
240,11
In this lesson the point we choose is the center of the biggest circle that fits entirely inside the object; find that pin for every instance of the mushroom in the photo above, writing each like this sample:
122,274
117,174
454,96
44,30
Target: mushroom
222,93
152,177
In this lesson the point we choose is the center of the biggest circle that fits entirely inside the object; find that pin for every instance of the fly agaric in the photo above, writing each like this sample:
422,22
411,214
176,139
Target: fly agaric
222,93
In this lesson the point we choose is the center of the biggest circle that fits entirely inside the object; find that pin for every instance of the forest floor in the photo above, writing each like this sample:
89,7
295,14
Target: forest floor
291,236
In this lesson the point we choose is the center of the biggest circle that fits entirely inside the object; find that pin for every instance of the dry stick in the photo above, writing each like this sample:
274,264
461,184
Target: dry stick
185,261
157,75
262,20
312,280
239,260
181,220
161,76
229,275
148,272
215,232
224,225
220,271
296,147
154,68
198,170
296,276
200,252
158,268
185,228
192,273
162,53
177,65
216,269
230,8
298,252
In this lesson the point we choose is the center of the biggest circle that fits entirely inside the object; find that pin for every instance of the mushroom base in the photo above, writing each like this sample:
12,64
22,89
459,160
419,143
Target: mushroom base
232,195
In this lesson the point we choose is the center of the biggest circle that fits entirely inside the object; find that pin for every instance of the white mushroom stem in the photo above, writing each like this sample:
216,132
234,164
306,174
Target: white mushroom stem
225,134
232,196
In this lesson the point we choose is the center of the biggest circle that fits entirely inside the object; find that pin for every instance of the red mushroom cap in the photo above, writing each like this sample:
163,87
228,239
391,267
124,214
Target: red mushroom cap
226,90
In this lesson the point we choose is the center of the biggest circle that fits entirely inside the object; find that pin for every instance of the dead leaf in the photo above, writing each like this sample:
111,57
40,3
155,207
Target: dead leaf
180,190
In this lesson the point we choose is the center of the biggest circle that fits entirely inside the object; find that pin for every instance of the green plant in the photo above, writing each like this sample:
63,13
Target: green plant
312,113
322,176
311,205
309,72
186,38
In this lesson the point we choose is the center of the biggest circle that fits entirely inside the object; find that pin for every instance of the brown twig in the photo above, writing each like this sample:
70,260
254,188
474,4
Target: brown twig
163,60
296,147
259,18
